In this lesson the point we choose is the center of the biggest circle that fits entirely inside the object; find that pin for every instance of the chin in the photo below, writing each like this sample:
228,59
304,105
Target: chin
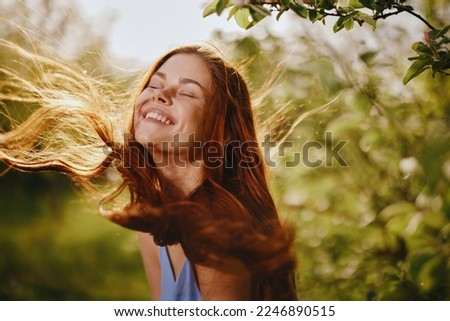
149,140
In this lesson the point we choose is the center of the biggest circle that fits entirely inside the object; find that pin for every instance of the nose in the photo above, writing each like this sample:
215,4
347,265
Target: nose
161,96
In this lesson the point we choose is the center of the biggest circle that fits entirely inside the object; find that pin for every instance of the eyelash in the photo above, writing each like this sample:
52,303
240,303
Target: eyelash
181,93
185,94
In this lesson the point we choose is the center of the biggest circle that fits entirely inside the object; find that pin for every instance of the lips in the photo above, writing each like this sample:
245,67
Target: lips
158,116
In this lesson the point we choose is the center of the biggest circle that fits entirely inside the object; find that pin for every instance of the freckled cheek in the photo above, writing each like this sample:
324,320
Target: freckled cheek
135,123
136,118
139,101
197,122
142,97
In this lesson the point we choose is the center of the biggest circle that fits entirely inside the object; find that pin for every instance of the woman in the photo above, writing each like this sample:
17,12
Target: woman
198,194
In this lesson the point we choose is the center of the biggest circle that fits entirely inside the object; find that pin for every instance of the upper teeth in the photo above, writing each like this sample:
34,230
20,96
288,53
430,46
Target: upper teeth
159,117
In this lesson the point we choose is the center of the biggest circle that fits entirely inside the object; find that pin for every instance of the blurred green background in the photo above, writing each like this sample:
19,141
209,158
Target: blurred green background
377,229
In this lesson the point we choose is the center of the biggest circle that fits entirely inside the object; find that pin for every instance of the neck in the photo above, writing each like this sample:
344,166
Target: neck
180,176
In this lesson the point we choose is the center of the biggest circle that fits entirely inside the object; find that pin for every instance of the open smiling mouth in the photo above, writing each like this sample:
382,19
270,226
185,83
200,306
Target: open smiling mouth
158,117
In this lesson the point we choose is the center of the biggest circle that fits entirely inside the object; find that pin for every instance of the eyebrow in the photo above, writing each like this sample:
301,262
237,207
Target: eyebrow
182,80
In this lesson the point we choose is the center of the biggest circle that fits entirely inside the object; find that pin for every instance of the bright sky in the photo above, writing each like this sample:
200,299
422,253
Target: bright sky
145,29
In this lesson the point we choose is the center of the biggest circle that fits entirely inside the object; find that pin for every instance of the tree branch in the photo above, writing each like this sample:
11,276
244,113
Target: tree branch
384,16
399,8
418,16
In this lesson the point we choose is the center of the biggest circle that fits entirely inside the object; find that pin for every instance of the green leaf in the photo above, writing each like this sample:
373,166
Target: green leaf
346,9
417,262
339,25
437,66
256,17
261,10
379,8
433,272
299,10
416,69
313,15
367,19
367,56
210,8
433,34
232,12
285,3
422,48
367,3
221,5
242,17
415,46
443,31
355,4
433,158
398,209
279,15
327,4
348,24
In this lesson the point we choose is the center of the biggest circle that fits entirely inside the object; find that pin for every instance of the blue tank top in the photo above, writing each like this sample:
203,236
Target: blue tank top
184,288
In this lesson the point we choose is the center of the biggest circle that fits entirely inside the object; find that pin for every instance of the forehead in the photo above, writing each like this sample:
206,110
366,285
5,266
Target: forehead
189,66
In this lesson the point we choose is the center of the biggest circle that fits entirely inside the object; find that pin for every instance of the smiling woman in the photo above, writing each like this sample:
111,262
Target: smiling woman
172,97
207,230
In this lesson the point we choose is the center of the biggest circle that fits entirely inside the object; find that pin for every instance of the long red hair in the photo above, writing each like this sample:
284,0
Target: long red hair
232,213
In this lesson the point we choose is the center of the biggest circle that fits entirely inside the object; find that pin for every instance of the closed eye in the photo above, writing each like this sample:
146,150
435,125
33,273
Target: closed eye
155,84
187,94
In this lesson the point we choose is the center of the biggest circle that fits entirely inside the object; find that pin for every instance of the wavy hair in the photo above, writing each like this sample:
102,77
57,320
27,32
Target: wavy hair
74,130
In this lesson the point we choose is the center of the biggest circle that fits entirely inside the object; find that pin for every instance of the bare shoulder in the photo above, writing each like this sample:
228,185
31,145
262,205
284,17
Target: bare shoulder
147,244
227,280
150,258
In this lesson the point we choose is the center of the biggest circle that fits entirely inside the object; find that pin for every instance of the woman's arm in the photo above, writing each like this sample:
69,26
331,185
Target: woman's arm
150,258
228,280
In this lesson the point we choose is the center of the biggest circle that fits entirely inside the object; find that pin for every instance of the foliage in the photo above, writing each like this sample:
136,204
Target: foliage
53,246
379,228
434,53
